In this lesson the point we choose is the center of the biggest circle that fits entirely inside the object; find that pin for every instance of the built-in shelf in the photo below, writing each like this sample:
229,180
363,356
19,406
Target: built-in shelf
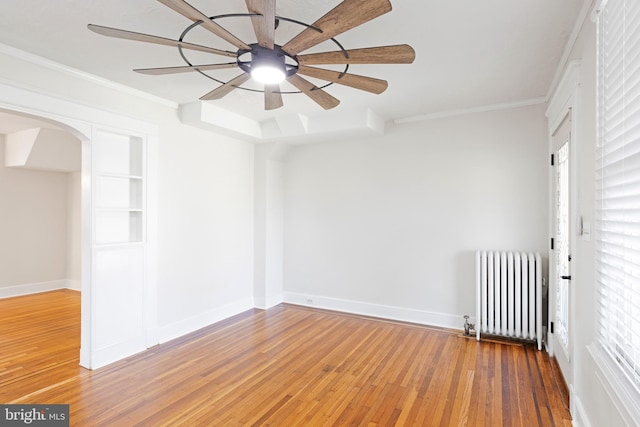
118,189
120,175
118,192
117,210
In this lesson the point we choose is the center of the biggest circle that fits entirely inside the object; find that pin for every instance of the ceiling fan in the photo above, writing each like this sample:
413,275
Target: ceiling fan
270,63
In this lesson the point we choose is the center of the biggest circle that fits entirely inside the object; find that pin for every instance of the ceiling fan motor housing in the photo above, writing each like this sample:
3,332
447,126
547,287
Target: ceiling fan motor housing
264,57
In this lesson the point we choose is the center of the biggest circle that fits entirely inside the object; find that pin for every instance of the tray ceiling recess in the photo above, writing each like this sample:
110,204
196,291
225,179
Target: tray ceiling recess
269,64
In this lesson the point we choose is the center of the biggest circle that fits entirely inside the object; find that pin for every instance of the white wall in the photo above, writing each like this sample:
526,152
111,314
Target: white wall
389,225
205,223
33,227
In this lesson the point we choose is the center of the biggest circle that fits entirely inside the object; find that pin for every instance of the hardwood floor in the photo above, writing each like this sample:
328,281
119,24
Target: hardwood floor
39,342
287,366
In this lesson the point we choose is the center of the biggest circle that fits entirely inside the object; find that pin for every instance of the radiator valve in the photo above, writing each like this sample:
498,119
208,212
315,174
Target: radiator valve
468,326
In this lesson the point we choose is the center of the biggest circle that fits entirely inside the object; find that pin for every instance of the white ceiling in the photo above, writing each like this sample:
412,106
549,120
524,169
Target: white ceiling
469,53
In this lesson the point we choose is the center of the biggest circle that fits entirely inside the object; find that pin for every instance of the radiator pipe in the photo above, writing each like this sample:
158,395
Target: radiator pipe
468,327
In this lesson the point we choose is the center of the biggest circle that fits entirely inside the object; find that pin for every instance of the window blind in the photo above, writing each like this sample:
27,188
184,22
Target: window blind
618,185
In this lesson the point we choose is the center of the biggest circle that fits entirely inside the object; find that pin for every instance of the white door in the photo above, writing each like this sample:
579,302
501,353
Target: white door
560,326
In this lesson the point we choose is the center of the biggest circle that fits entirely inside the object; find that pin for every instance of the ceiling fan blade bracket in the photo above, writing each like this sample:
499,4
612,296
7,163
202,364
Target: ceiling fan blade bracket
291,71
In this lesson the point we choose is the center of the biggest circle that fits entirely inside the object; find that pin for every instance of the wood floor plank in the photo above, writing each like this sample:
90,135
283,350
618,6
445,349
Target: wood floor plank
39,341
285,366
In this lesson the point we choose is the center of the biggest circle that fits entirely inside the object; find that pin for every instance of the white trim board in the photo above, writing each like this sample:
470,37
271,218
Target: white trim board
578,412
402,314
583,15
616,385
471,110
36,288
267,303
92,78
116,352
186,326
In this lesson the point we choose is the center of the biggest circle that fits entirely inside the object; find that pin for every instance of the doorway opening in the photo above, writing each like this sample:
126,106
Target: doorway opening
41,222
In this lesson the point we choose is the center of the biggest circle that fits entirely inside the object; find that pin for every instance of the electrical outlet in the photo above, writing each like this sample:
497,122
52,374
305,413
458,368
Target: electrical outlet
310,301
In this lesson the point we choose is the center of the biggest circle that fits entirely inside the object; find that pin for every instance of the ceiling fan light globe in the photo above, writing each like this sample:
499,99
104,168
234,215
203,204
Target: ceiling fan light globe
267,74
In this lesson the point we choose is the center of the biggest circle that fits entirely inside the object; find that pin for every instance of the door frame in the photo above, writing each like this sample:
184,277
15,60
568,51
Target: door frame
556,145
564,105
81,120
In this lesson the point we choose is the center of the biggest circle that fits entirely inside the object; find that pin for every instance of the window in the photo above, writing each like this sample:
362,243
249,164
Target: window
618,185
562,244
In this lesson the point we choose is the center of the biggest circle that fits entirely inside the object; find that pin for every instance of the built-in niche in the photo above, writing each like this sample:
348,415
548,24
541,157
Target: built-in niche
118,190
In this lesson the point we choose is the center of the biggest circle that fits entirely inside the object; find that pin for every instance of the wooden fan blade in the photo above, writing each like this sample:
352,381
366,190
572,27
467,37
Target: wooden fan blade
184,69
321,97
272,97
368,84
130,35
226,88
343,17
264,26
188,11
396,54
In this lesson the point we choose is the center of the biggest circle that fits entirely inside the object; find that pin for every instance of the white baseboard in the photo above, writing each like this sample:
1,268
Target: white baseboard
85,357
74,285
266,303
273,301
33,288
151,337
183,327
578,412
376,310
116,352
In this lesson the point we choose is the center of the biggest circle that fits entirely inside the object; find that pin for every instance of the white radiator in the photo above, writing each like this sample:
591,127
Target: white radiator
509,295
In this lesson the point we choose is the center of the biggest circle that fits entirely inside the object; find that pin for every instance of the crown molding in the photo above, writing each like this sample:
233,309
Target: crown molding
73,72
583,16
473,110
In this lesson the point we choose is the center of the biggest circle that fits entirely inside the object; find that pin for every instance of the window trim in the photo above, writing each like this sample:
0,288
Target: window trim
623,394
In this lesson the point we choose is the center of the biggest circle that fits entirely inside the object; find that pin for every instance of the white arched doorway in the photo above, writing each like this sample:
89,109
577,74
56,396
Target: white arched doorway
118,227
40,216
